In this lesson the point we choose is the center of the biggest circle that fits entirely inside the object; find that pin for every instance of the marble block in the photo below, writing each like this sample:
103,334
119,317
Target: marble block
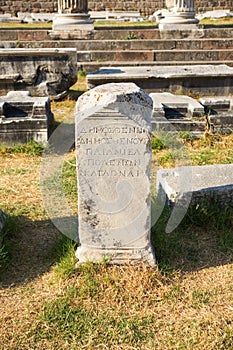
113,144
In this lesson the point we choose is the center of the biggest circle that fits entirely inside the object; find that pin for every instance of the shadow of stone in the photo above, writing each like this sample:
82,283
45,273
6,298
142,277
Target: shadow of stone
31,251
194,244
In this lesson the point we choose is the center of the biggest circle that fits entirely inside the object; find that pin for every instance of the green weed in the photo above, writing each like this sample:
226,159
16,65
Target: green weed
157,144
64,251
69,181
30,148
131,36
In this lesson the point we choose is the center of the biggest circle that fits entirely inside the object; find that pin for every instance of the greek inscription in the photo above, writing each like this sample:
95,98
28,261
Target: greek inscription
112,152
109,173
114,130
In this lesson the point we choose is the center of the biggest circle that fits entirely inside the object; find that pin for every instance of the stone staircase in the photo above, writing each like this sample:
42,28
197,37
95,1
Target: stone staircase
132,46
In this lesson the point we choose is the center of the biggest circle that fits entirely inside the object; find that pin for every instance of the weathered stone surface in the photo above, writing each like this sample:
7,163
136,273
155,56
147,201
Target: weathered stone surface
215,14
44,72
219,110
73,22
175,106
114,155
198,79
210,182
177,112
73,16
24,118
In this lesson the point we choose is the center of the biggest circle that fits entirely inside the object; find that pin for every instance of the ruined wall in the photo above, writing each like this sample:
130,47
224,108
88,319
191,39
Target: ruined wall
14,6
145,6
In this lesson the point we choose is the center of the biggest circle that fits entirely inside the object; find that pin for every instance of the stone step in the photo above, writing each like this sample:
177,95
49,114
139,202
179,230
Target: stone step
200,80
111,33
155,55
94,66
109,45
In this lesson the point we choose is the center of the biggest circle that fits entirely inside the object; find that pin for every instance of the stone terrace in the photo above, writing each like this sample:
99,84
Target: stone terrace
116,47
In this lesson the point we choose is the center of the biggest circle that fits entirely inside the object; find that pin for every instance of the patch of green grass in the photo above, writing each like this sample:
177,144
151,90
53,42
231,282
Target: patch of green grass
64,251
75,322
69,181
221,22
30,148
157,144
79,87
203,222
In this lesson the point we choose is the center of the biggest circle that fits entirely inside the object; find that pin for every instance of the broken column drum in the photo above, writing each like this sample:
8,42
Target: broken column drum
113,146
73,16
72,6
180,12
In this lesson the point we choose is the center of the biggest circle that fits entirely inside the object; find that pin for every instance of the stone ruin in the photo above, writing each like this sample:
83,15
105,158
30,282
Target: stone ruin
209,183
113,147
72,17
113,130
24,118
43,72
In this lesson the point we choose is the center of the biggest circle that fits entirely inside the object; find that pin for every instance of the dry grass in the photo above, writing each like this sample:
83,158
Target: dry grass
11,25
217,22
46,304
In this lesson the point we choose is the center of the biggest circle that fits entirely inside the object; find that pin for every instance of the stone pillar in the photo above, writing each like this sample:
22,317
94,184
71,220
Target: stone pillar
72,6
181,15
73,18
113,144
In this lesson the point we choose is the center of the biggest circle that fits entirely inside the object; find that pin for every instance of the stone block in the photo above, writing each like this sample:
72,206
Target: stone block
220,113
24,118
44,72
175,106
202,80
205,183
113,144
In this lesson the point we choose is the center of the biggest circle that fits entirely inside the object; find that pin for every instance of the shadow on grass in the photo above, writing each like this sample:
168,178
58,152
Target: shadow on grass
32,248
203,239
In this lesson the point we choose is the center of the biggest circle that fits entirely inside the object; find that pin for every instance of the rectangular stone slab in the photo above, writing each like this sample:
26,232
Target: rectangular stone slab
209,182
203,80
43,72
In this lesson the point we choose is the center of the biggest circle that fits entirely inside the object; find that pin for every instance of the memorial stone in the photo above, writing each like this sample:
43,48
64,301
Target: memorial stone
113,143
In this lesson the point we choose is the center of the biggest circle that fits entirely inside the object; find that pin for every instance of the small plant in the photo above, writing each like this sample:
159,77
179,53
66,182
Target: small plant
65,252
157,144
18,44
130,36
186,136
81,74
